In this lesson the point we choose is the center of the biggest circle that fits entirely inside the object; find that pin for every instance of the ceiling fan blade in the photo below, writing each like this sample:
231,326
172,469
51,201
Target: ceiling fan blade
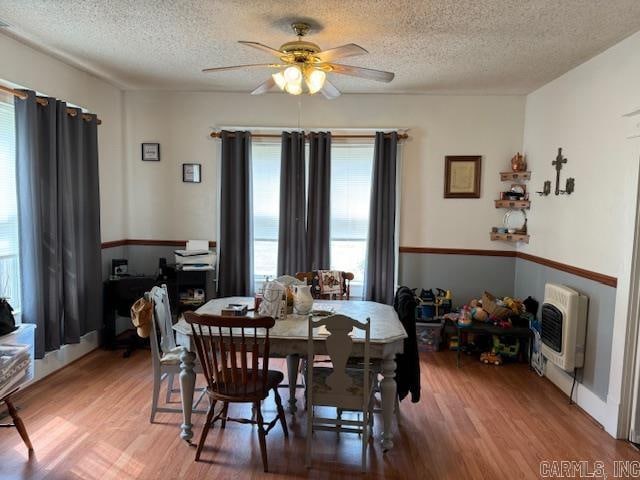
237,67
265,86
329,90
369,73
348,50
262,47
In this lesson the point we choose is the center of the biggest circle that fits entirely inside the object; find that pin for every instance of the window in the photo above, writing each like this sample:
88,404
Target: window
351,168
9,258
265,158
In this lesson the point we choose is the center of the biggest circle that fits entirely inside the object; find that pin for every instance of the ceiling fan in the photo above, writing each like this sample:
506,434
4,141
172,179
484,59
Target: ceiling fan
304,66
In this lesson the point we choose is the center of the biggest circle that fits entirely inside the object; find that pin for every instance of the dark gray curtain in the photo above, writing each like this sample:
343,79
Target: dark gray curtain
379,272
235,265
59,209
319,201
292,225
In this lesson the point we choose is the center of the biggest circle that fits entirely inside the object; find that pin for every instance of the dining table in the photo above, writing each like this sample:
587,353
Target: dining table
288,338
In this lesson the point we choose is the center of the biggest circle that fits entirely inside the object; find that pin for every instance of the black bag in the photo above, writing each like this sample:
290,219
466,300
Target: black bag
7,322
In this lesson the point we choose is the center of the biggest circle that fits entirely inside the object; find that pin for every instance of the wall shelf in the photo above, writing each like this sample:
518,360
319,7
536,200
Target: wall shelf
518,178
504,176
510,237
520,204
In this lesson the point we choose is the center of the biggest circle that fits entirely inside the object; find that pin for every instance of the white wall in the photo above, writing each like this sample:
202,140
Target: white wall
593,228
32,69
162,207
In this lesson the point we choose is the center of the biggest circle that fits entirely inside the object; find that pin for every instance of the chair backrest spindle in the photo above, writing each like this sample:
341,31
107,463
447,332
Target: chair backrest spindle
218,349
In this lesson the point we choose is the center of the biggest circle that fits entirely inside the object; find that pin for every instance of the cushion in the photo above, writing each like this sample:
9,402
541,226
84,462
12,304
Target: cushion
172,357
274,378
331,282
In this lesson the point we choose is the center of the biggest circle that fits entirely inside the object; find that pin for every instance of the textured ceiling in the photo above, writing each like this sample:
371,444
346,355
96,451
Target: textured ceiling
446,46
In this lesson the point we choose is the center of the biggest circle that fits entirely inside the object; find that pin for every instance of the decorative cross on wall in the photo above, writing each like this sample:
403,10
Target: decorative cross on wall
571,183
558,164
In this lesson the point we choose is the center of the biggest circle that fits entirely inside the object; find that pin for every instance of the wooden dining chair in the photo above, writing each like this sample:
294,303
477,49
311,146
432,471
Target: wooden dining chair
312,279
339,386
229,350
165,356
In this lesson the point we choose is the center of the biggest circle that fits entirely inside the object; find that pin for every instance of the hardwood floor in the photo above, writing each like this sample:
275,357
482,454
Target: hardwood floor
91,421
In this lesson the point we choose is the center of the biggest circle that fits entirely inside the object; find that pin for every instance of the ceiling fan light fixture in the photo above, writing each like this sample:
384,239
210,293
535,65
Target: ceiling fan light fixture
293,74
315,80
281,82
303,66
294,88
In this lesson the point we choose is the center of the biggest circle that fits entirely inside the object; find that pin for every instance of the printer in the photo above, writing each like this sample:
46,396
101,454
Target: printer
196,256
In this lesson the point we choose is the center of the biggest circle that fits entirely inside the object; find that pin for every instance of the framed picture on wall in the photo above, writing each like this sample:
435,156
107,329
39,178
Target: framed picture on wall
462,176
191,173
151,152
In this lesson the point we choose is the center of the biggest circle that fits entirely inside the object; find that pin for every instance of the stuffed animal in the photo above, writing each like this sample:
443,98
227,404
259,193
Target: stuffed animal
478,313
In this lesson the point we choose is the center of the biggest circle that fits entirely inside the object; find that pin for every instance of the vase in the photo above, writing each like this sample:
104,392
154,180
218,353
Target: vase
302,299
518,163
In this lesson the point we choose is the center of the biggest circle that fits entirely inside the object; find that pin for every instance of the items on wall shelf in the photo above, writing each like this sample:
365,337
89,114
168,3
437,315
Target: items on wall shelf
516,201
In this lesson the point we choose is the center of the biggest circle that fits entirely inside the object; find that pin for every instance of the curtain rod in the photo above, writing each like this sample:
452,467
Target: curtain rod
44,102
401,136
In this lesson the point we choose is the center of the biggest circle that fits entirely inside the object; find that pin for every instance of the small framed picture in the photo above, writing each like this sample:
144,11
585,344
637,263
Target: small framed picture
191,173
151,152
462,176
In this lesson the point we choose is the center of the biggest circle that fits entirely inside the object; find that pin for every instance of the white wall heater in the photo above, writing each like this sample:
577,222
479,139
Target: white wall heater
563,326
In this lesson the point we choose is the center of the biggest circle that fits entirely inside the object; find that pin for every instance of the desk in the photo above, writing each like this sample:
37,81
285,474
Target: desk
289,338
119,295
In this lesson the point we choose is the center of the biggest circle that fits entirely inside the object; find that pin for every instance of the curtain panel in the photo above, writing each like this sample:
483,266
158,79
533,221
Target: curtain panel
319,202
292,234
235,253
59,222
380,266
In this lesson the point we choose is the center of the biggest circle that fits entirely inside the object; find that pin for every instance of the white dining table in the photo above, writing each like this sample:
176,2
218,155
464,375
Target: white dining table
288,338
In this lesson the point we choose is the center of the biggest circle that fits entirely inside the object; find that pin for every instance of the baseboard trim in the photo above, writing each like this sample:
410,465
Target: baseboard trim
584,398
57,359
579,272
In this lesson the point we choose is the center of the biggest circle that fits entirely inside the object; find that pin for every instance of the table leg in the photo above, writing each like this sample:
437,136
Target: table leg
17,421
388,392
187,386
293,363
458,349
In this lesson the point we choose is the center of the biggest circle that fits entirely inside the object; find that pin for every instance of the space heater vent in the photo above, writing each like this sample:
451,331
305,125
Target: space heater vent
563,326
552,327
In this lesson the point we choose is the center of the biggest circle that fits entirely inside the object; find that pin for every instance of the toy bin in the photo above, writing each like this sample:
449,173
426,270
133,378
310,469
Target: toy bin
429,335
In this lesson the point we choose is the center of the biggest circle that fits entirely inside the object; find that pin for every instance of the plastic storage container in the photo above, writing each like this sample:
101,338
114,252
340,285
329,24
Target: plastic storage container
429,335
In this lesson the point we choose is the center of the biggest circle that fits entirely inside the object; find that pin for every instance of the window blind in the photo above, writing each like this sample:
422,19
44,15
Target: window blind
351,167
265,158
9,265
